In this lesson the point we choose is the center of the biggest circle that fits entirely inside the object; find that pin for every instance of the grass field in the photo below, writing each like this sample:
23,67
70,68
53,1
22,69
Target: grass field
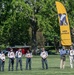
53,62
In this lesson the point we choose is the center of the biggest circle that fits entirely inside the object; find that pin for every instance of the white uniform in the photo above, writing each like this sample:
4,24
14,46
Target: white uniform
71,57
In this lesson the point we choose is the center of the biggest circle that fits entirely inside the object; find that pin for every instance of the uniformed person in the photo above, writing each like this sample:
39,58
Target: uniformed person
11,56
44,55
19,59
71,52
63,53
2,61
28,59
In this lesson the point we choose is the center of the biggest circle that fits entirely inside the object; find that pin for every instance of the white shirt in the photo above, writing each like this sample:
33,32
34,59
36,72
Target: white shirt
3,57
71,52
28,55
18,54
11,55
44,54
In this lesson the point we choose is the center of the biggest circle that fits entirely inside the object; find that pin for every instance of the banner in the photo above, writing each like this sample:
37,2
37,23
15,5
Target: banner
64,25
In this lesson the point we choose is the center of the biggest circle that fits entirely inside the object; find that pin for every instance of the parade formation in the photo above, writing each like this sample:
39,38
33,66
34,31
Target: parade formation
44,55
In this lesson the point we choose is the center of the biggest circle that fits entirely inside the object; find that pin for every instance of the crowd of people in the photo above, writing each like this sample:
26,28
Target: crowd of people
18,56
44,54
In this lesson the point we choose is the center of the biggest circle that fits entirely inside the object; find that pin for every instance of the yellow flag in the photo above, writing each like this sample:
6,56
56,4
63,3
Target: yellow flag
64,25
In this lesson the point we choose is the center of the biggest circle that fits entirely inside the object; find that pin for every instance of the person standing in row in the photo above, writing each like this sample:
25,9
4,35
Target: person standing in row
28,59
2,61
63,53
11,56
71,52
18,59
44,55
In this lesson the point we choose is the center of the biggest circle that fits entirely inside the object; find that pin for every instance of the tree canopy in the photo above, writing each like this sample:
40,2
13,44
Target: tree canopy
17,16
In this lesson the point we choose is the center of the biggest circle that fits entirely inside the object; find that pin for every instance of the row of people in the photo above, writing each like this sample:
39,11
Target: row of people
44,55
18,56
63,53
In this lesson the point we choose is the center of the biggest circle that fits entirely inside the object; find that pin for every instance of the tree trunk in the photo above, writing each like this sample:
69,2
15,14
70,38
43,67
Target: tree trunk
34,41
34,30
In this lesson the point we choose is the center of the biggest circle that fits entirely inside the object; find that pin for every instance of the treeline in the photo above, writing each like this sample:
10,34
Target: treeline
21,20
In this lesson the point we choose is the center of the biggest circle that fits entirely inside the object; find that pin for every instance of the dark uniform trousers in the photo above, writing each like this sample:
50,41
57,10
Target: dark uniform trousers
28,63
11,63
44,63
18,60
2,63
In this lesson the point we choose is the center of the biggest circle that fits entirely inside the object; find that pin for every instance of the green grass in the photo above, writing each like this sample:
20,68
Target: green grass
53,62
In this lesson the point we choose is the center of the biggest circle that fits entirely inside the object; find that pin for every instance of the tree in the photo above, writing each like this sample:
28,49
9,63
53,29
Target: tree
42,18
14,22
17,16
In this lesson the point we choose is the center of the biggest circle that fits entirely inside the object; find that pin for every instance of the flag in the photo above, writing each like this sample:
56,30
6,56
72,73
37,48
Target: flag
64,25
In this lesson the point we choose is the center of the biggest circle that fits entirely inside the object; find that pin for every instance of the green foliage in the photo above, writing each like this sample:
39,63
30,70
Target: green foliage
16,16
48,20
15,26
2,47
50,49
47,48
